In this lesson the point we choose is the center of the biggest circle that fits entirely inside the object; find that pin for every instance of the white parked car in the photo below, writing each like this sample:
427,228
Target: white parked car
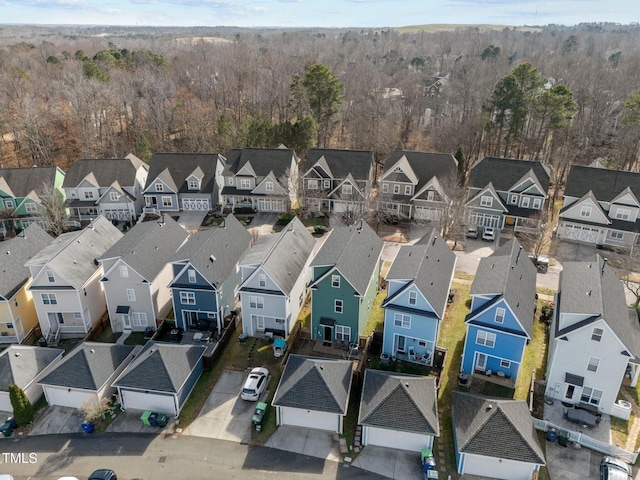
255,384
489,234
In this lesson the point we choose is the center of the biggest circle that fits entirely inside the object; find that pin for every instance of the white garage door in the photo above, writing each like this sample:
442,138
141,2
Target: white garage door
426,213
494,468
309,419
65,398
413,442
5,402
195,204
148,401
583,234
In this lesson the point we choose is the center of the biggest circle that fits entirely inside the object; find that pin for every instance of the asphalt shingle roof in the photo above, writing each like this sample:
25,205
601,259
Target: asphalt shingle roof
504,173
606,184
319,384
495,427
399,402
263,160
161,367
88,366
21,181
180,166
20,364
17,251
148,245
105,171
343,162
354,251
426,165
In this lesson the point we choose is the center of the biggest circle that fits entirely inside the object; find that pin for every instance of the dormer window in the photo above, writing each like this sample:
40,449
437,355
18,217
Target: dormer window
30,207
88,195
486,201
347,189
623,214
192,275
268,186
113,196
159,187
585,212
194,185
8,203
245,183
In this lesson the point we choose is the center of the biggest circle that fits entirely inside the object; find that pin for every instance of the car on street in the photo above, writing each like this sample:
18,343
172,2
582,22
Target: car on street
489,234
255,384
472,232
614,469
103,474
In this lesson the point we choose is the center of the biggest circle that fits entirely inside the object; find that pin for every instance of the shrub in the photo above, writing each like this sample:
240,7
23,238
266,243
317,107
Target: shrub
285,218
23,412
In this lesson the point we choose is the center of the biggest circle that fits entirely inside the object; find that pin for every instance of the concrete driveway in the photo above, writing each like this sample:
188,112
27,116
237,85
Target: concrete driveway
225,415
306,441
389,462
191,220
58,420
262,223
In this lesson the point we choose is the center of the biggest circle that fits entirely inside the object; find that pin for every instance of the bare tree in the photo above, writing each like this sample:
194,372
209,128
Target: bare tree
535,233
53,212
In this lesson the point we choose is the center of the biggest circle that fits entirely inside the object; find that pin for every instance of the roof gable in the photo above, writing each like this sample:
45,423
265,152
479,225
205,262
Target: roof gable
179,166
597,214
504,173
21,364
490,191
339,163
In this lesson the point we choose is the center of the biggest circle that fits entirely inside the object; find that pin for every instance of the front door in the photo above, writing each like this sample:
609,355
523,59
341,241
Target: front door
328,334
571,390
53,321
402,344
481,362
126,322
190,318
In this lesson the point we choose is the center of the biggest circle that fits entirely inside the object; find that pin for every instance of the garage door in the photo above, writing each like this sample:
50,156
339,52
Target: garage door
65,398
582,234
393,439
135,400
195,204
270,205
497,468
309,419
5,402
426,213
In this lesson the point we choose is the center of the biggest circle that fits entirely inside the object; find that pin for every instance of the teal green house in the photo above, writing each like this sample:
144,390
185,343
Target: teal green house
345,280
21,193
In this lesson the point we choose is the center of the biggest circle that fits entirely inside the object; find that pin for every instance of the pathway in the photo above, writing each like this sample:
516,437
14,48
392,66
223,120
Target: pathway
634,431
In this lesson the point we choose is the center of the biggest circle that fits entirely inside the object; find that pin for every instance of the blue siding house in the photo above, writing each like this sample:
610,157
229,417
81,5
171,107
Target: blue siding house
500,323
418,288
206,274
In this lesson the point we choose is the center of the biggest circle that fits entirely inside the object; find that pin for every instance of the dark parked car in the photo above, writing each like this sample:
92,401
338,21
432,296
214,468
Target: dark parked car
613,469
103,474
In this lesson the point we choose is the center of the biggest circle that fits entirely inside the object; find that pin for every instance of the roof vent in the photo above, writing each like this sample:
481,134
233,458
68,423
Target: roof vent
406,385
589,293
92,351
489,407
8,252
95,261
212,258
17,354
321,367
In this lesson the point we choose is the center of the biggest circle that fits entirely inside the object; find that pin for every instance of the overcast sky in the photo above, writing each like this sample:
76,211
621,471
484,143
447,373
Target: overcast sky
317,13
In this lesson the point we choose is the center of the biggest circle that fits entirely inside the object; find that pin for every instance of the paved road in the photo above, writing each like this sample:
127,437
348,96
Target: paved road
144,456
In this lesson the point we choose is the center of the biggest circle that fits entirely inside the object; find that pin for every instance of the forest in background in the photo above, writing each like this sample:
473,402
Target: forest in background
562,95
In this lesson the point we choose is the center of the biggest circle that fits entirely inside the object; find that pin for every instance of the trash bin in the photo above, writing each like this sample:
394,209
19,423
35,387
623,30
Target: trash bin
42,342
87,427
552,435
161,420
145,418
153,419
7,427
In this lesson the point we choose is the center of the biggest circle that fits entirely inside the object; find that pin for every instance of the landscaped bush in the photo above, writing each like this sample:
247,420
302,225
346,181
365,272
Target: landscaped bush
22,409
285,218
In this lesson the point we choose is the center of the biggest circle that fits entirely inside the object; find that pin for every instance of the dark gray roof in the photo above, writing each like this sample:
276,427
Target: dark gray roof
495,427
358,163
161,367
148,246
88,366
505,172
14,253
20,364
426,165
24,180
105,170
73,254
226,243
430,264
263,160
282,255
399,402
355,253
319,384
593,288
181,165
606,184
509,272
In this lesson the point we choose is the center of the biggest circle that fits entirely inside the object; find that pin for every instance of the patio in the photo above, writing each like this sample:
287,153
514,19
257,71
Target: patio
554,414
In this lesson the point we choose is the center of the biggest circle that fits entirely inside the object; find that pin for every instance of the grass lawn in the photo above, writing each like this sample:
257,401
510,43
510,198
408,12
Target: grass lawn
107,336
375,323
535,357
136,338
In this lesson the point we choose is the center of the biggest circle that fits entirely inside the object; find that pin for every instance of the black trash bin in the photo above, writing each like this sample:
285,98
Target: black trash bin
161,420
153,419
42,342
8,427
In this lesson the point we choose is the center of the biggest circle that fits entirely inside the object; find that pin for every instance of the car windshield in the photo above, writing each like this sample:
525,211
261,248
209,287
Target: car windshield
249,391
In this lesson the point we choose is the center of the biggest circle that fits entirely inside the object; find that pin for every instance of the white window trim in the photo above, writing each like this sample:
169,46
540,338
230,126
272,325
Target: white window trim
187,298
49,298
486,201
593,394
167,201
262,280
407,189
347,189
335,281
396,189
312,184
327,183
159,187
500,318
245,183
413,298
131,295
256,302
268,186
594,363
598,334
585,211
30,207
191,273
401,320
537,203
50,276
623,214
139,319
484,338
114,196
343,333
385,187
505,363
338,306
124,271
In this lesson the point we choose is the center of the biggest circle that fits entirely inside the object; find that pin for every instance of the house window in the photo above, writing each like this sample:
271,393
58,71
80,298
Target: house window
114,196
256,302
407,189
430,196
591,395
131,294
49,299
211,315
616,235
230,181
525,202
505,364
537,203
343,334
486,338
31,207
585,211
159,187
187,298
403,321
50,276
335,281
596,334
385,187
166,201
88,195
593,364
413,298
623,214
500,315
347,189
8,203
9,325
396,189
77,316
124,271
514,199
337,306
422,343
312,184
327,184
192,275
245,183
486,201
268,186
262,280
193,184
139,319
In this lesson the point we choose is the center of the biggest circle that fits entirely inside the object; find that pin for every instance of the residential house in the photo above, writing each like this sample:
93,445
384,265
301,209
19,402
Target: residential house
141,388
275,272
262,179
314,393
398,411
594,340
344,283
24,366
338,181
137,273
418,285
507,191
17,310
22,191
417,184
106,186
206,275
85,374
503,304
601,206
495,437
182,182
66,274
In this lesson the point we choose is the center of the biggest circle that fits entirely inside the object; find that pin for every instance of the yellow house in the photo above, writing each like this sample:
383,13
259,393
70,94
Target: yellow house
17,311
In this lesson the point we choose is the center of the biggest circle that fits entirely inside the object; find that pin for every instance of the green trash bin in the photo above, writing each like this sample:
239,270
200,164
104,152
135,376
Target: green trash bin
161,420
145,418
